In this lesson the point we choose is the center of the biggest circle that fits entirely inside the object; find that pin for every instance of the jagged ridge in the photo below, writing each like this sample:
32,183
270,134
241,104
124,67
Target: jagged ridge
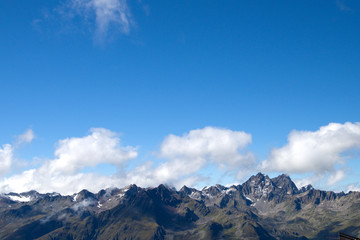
260,208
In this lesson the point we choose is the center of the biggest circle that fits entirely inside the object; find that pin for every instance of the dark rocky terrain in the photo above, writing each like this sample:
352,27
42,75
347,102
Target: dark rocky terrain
260,208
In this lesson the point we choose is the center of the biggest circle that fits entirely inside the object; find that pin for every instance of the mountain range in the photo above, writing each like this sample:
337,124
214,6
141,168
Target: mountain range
260,208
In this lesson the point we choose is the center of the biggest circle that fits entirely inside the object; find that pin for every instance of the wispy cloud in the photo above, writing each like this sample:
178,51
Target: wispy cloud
26,137
107,14
335,177
104,19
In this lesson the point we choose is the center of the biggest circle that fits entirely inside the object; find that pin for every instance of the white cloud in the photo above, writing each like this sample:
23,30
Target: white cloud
101,146
336,177
26,137
186,155
83,204
302,182
353,188
148,176
107,13
43,181
7,151
6,158
63,174
217,144
318,152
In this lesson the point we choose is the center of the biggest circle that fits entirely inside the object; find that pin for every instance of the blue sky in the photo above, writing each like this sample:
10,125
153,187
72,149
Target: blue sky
143,72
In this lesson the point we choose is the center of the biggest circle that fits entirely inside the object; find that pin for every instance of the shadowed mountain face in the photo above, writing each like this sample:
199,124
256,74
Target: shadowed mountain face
260,208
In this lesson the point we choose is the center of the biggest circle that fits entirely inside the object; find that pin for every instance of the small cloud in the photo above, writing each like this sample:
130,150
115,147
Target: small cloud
26,137
83,204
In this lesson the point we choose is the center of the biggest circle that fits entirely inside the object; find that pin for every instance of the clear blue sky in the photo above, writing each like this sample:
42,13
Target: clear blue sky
262,67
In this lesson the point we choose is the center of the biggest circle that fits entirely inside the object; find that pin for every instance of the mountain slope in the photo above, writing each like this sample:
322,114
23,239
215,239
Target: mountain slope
260,208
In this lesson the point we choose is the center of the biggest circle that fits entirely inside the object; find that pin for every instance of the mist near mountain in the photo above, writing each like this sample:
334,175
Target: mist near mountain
260,208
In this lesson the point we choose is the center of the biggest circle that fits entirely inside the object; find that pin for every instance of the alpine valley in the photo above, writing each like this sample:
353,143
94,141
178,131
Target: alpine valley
260,208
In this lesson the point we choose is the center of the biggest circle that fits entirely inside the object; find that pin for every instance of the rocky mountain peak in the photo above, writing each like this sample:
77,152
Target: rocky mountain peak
163,194
220,187
187,191
258,178
31,193
84,194
285,183
258,186
306,188
211,191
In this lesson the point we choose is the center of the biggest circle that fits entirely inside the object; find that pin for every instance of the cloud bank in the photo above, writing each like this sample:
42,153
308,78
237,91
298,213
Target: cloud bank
321,155
184,157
